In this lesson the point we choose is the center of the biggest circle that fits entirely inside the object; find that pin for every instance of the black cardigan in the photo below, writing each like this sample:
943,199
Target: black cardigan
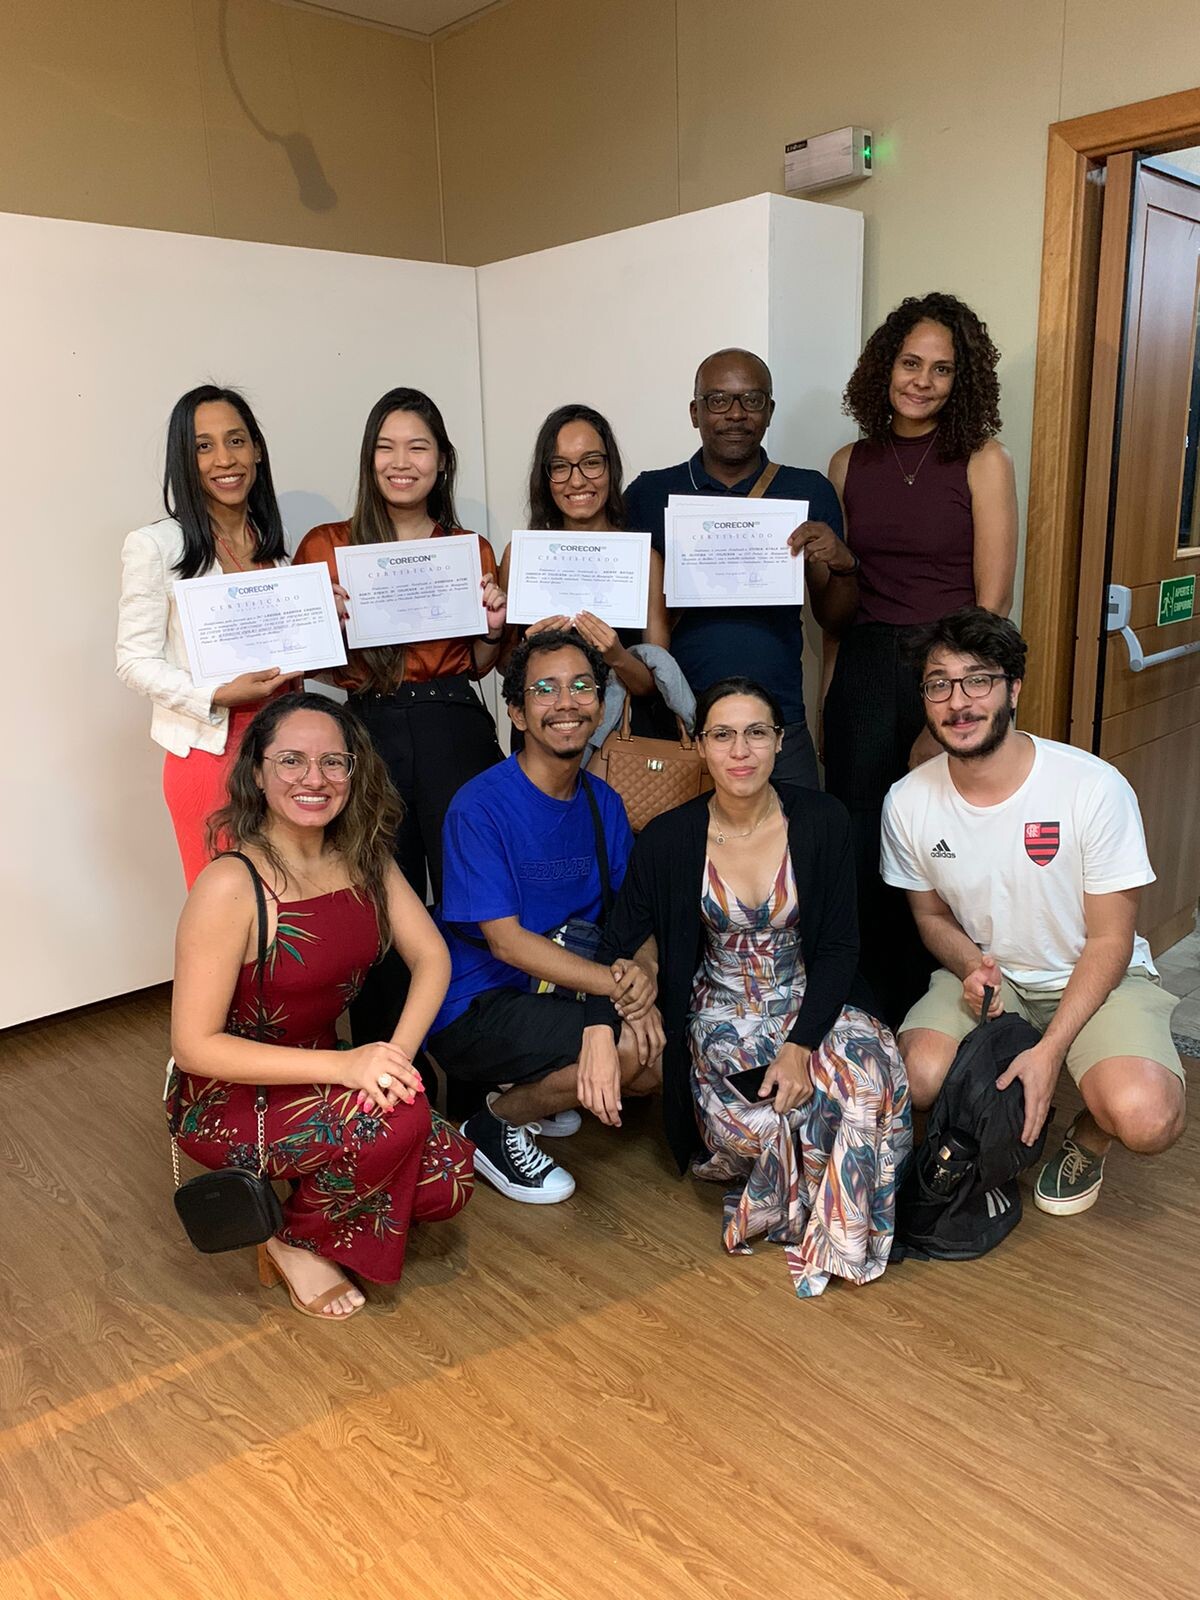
661,896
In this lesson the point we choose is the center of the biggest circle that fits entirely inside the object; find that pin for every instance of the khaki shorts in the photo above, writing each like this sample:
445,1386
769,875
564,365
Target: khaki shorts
1135,1020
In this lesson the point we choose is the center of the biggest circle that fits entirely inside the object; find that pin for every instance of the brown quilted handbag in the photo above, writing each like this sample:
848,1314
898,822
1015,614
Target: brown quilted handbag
650,775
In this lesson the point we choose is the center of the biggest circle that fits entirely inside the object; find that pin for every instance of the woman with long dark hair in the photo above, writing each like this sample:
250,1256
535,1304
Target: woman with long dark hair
575,485
777,1079
418,702
931,515
221,517
311,808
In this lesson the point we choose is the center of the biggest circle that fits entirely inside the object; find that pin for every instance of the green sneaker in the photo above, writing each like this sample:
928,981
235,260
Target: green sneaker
1070,1181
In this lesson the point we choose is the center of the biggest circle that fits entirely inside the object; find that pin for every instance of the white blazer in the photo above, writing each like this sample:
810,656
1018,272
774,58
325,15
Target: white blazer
151,656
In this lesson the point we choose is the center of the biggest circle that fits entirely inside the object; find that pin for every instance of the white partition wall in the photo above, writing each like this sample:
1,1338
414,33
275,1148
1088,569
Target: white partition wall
621,322
104,328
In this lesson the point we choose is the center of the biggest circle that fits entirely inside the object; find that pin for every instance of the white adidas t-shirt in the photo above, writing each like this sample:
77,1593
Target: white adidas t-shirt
1015,874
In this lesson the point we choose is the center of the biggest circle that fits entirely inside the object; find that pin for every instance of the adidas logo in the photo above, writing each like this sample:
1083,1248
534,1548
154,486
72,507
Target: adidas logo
942,852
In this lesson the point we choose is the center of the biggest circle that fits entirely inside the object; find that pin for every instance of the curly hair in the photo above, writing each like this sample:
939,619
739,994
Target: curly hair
971,415
974,632
541,643
363,831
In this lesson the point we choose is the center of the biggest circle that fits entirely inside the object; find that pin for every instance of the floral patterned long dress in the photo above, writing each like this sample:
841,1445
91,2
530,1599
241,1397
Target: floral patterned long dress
820,1180
362,1178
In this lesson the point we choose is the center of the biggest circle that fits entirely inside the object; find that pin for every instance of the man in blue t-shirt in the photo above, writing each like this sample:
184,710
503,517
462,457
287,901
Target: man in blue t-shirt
527,847
731,408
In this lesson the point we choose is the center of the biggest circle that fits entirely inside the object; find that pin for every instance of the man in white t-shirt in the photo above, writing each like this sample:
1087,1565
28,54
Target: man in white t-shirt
1023,861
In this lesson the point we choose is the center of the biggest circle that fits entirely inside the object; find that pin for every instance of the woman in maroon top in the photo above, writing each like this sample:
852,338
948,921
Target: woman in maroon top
312,810
931,516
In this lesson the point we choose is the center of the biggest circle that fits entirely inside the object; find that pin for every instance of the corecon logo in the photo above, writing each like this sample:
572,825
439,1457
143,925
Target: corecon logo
714,527
399,561
249,588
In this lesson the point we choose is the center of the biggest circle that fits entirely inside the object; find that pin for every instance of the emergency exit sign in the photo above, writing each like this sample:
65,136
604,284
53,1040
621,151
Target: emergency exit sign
1176,599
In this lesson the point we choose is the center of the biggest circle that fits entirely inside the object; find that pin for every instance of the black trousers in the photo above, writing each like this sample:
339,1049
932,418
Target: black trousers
873,712
433,737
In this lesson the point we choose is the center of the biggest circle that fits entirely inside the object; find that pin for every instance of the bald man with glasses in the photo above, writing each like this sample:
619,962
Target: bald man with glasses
731,408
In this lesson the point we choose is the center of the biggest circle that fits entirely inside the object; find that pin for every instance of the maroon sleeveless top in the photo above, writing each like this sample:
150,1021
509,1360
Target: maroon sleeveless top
316,963
915,542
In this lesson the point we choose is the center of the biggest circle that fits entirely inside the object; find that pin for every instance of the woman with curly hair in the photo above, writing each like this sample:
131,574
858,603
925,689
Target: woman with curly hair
931,515
312,816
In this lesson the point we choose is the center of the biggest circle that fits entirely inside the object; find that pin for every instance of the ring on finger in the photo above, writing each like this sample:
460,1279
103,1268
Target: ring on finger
384,1080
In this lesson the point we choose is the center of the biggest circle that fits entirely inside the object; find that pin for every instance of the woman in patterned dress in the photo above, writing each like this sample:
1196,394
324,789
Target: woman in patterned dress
757,969
311,807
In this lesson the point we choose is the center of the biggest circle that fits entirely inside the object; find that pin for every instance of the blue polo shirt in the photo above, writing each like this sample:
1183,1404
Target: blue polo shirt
765,643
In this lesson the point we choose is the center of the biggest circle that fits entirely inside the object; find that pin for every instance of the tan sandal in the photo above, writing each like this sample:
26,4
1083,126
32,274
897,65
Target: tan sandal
270,1273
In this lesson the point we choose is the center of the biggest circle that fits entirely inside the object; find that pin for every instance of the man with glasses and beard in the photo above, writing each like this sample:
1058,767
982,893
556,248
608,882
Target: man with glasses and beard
732,406
527,847
1023,861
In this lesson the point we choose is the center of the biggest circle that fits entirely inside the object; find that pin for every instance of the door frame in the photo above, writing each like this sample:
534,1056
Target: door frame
1054,548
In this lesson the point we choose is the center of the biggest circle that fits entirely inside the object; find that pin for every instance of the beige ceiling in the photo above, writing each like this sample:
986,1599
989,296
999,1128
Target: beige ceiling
420,17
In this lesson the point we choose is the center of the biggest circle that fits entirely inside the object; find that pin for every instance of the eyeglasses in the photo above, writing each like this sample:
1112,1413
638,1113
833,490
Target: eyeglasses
593,466
976,686
545,690
758,734
719,400
293,767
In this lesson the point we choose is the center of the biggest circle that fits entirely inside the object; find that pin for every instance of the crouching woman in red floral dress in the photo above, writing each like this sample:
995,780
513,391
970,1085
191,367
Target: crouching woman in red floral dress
313,810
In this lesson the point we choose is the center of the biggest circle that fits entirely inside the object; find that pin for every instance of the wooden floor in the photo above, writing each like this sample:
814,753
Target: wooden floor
585,1402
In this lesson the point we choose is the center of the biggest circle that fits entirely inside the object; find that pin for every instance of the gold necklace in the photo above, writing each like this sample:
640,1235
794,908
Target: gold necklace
719,833
910,477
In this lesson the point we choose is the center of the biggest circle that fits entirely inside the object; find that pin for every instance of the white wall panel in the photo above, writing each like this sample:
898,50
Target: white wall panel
103,329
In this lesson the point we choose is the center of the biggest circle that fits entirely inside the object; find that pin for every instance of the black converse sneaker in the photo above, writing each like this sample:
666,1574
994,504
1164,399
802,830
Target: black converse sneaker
508,1158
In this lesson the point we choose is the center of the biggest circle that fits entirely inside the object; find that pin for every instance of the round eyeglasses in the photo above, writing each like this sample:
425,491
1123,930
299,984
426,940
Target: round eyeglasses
593,467
545,690
975,685
293,767
758,734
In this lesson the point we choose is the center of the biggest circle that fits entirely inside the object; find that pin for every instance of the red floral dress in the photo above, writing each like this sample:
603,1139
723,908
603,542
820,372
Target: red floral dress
362,1178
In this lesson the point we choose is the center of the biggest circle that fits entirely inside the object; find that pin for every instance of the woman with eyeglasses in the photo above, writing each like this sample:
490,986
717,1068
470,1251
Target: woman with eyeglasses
931,514
312,811
222,516
575,485
777,1079
418,702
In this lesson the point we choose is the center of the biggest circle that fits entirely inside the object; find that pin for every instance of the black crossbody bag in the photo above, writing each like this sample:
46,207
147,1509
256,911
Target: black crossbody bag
232,1209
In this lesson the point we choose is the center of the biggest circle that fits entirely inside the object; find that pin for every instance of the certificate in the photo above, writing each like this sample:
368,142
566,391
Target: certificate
412,589
727,551
235,622
554,574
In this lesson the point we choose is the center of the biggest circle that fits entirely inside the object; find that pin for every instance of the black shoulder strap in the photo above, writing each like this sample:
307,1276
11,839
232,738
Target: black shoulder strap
606,896
260,901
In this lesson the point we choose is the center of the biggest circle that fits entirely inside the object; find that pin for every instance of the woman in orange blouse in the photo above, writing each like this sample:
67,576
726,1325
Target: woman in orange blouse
418,701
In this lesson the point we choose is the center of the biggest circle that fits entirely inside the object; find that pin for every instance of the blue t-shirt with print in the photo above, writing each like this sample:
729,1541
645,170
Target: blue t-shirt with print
509,850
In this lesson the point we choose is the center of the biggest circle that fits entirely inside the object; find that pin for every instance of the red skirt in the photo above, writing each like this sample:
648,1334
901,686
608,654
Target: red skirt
195,785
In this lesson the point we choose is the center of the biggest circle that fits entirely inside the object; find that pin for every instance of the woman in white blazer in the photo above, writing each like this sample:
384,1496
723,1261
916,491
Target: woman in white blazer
221,517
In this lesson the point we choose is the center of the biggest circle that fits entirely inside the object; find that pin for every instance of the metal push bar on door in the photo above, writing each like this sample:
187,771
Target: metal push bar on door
1120,600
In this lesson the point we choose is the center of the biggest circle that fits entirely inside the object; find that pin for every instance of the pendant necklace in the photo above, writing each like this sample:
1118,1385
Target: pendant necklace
910,477
719,833
238,563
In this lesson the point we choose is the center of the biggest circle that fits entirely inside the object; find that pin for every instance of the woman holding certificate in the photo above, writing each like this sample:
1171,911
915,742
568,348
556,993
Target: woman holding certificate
777,1081
311,814
575,485
417,700
221,517
931,514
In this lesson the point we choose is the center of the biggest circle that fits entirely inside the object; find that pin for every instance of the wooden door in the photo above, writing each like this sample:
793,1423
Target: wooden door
1147,722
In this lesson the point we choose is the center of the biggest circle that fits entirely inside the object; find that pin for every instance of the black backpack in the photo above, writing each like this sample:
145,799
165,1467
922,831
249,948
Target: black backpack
956,1209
